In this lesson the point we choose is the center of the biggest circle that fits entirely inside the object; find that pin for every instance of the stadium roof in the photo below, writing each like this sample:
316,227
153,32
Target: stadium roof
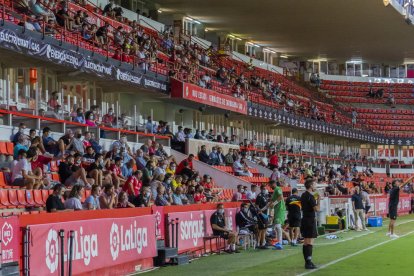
334,29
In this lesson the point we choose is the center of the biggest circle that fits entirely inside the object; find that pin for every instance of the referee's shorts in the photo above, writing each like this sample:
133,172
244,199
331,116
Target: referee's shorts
308,228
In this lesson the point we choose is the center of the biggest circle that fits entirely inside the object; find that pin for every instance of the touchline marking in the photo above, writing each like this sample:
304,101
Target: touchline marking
353,254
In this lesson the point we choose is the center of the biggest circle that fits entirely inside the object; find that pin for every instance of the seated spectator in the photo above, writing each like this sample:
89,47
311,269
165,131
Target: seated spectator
64,19
252,194
199,196
89,156
74,199
123,201
65,142
161,169
128,168
76,143
148,173
133,186
144,198
187,171
244,222
20,132
50,145
71,174
202,155
171,168
237,196
80,117
213,157
22,174
178,197
163,199
54,201
240,168
108,119
140,160
219,227
22,144
206,182
92,201
108,198
117,178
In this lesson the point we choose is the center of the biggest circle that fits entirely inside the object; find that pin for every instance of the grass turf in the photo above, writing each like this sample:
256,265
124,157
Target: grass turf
392,257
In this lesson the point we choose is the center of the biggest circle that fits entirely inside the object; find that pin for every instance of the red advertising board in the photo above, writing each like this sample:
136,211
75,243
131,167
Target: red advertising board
97,243
191,229
158,212
201,95
195,225
404,206
10,240
381,206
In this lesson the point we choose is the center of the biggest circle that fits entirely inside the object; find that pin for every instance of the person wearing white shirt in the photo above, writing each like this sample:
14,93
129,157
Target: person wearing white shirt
252,194
180,136
74,202
22,171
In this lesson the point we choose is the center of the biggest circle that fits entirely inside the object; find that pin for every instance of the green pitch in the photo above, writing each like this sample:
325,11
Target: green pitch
354,253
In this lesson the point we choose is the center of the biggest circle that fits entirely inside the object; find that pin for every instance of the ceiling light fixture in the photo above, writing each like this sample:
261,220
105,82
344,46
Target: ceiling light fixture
269,50
283,56
196,21
159,11
189,18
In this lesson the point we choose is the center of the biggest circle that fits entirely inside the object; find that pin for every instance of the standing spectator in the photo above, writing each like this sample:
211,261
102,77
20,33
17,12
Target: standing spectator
358,208
273,161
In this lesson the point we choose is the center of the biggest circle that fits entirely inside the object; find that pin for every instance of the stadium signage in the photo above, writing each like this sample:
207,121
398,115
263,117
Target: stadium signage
25,44
201,95
194,225
97,244
10,243
281,117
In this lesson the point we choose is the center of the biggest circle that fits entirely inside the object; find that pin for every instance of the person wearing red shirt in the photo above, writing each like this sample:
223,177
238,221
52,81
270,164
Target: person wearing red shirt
206,182
86,141
273,161
133,186
199,196
117,178
38,163
109,119
181,166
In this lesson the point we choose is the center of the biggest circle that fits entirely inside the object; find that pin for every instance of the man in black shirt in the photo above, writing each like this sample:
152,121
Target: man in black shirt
218,225
244,221
54,201
262,206
310,205
358,207
393,204
293,207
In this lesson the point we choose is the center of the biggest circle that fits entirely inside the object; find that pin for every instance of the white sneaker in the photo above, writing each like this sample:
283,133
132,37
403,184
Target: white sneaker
394,236
366,229
388,234
358,230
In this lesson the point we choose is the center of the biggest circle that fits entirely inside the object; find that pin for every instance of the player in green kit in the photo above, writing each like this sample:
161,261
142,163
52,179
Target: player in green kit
279,214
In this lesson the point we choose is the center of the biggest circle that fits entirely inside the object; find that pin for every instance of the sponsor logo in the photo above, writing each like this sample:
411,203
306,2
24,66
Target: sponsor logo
98,68
114,241
12,38
7,233
126,76
85,246
61,56
127,239
192,229
52,250
155,84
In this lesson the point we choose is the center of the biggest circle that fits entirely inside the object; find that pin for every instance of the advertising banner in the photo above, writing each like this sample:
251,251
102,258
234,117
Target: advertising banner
404,206
97,244
191,229
380,206
25,44
158,212
9,239
201,95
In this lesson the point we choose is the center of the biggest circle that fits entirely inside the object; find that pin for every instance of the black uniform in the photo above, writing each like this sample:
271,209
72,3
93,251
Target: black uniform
393,204
308,225
218,220
263,219
293,205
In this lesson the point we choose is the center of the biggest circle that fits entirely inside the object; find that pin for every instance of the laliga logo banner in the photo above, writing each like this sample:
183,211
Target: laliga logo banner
97,244
9,237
